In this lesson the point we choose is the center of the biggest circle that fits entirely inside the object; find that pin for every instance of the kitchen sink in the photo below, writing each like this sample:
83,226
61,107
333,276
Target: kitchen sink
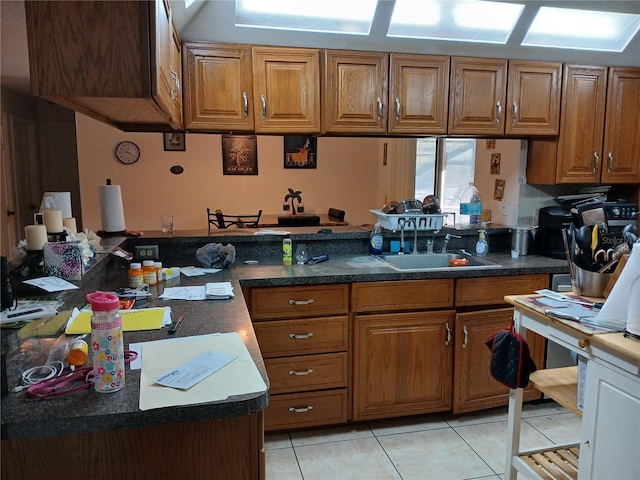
434,261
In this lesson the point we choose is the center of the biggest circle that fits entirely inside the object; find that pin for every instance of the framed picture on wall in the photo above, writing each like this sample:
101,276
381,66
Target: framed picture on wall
239,155
174,141
300,152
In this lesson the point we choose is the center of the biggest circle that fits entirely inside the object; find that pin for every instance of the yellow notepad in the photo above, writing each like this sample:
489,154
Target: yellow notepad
141,319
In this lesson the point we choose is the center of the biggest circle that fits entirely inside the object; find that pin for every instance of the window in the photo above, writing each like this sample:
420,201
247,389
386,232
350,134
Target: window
449,160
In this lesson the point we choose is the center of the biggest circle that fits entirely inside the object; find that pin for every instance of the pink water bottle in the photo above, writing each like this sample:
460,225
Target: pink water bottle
107,346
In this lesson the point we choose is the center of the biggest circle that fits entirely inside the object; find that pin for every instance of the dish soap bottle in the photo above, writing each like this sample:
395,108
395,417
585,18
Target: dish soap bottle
375,241
482,245
287,251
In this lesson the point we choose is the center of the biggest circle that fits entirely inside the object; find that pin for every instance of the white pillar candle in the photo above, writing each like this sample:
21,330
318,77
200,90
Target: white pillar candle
36,236
53,220
70,223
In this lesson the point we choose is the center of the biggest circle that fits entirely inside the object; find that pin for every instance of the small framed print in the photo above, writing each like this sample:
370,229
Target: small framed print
174,142
491,143
498,192
495,163
239,155
300,152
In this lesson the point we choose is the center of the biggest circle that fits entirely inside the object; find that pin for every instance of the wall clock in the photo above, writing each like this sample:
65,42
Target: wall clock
127,152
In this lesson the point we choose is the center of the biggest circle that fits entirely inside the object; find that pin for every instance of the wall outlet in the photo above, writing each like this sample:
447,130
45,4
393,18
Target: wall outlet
146,252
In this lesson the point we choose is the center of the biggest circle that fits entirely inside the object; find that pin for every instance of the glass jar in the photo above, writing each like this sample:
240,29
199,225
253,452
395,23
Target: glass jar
107,346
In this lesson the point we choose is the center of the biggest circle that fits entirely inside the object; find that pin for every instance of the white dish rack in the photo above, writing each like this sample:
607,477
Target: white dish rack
423,221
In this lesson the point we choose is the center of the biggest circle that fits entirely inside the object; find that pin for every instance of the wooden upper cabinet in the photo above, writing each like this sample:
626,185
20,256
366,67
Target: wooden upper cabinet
286,90
218,93
477,96
533,98
622,127
175,70
576,155
418,94
355,92
108,60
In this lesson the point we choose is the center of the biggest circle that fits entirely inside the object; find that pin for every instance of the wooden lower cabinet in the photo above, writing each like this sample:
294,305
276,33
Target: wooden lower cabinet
308,409
473,387
402,363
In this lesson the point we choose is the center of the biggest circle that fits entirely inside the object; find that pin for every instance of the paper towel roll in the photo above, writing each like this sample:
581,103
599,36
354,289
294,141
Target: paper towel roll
619,309
111,210
59,200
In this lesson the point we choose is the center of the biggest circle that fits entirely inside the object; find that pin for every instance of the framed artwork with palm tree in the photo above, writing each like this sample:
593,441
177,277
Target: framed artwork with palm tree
239,155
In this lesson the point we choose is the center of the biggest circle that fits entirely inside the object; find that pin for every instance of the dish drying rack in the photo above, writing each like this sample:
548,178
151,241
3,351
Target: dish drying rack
423,221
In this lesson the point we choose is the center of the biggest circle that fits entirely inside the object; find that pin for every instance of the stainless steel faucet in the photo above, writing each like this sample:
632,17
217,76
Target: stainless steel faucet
403,222
447,239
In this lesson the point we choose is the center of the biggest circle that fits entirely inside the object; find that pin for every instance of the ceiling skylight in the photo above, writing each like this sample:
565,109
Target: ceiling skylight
454,20
582,29
329,16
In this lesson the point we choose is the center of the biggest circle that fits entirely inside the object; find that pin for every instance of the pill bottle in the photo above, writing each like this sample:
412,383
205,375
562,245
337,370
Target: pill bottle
107,346
158,267
149,272
287,251
136,276
78,353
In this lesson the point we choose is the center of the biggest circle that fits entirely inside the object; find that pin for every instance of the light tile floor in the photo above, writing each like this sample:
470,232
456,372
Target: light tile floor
436,446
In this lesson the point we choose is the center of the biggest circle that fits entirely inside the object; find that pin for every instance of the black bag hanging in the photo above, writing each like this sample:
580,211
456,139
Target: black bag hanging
511,362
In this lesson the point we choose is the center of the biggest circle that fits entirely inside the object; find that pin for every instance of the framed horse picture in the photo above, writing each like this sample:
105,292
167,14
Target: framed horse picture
300,152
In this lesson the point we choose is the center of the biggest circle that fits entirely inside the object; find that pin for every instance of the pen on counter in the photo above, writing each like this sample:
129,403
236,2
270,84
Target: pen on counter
174,328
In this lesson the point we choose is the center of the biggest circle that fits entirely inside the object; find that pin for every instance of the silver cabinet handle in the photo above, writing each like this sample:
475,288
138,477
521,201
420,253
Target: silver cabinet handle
301,335
301,409
245,99
379,100
596,161
515,112
498,111
306,372
466,336
301,302
264,107
610,162
176,81
397,108
448,340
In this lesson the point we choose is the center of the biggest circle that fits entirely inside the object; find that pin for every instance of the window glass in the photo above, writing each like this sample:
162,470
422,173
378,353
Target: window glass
452,161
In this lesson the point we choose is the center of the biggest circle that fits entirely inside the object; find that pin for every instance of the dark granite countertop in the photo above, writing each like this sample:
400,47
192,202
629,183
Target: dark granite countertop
90,411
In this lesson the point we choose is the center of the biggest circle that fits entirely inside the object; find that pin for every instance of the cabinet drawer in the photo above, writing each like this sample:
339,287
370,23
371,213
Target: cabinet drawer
402,295
492,290
299,301
297,410
308,372
281,338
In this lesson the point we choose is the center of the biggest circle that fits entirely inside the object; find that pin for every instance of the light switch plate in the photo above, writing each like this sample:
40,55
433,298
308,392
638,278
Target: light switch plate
146,252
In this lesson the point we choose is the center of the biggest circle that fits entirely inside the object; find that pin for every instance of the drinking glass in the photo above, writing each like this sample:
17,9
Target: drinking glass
301,253
167,223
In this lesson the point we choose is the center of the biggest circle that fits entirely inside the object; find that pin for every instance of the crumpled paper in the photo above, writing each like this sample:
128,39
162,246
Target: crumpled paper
216,255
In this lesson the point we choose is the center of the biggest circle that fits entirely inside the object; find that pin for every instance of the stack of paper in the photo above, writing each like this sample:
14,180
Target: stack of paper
219,290
213,291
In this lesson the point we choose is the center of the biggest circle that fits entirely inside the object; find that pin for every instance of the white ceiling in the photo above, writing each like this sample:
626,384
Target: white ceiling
213,21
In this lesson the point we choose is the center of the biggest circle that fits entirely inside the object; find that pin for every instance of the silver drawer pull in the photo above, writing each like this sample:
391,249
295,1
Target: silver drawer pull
297,335
306,372
301,409
301,302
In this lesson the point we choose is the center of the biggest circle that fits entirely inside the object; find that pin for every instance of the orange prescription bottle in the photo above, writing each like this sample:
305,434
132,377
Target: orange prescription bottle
136,277
78,353
149,272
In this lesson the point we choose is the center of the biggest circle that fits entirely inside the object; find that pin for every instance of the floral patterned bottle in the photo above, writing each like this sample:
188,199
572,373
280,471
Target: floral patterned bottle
107,346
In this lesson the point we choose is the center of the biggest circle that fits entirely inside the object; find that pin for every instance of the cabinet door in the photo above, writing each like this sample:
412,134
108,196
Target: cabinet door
474,388
533,98
355,90
610,424
418,94
286,91
176,78
218,87
478,93
402,363
622,127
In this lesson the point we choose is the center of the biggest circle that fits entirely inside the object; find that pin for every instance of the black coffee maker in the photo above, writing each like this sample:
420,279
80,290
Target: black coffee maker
551,221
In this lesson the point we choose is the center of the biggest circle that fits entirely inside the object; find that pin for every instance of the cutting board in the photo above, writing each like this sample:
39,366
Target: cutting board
616,273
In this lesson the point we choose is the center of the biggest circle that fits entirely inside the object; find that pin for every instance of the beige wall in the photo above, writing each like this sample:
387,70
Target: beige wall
347,177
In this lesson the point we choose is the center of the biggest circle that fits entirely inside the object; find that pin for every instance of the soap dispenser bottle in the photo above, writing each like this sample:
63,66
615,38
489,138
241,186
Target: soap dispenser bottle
375,240
482,245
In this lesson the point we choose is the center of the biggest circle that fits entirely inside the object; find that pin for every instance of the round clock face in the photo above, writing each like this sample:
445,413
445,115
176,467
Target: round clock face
127,152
